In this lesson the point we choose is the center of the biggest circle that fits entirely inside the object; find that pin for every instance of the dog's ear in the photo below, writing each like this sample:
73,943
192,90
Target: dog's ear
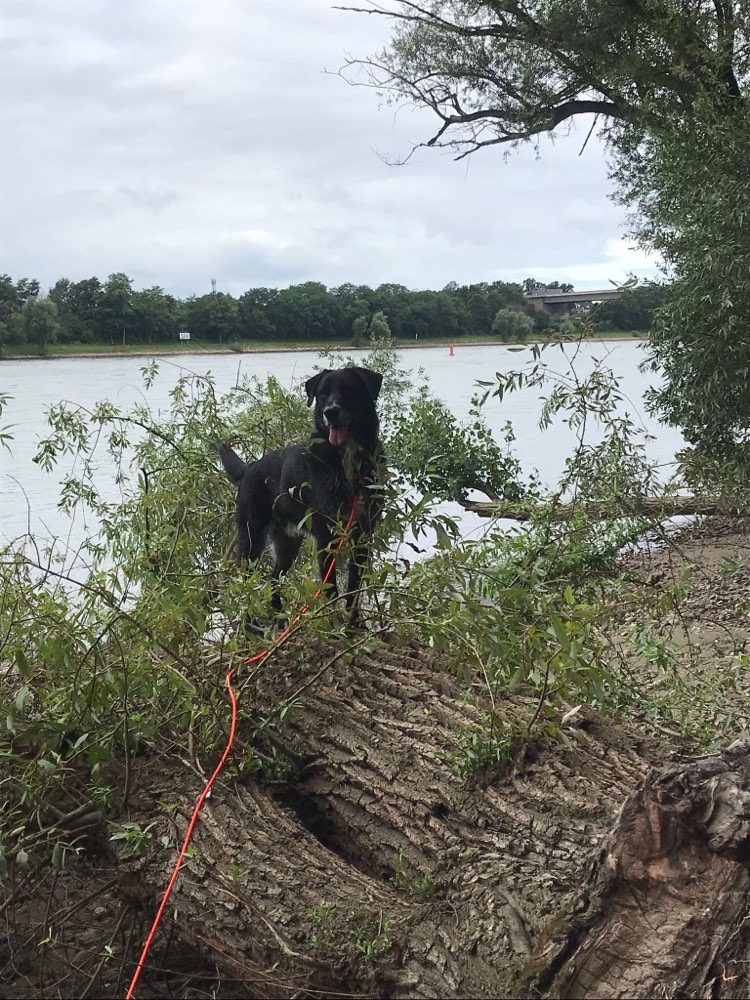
311,386
373,381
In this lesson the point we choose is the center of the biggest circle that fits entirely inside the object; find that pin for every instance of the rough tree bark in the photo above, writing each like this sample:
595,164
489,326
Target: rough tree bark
665,910
290,889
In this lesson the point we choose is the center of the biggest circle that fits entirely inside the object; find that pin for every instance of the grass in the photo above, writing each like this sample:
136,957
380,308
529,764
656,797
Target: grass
170,347
250,346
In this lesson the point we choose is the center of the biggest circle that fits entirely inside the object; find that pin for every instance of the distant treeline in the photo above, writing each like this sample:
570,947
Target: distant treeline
92,311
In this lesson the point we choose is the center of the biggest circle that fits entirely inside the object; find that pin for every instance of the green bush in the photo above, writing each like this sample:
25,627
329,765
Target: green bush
512,325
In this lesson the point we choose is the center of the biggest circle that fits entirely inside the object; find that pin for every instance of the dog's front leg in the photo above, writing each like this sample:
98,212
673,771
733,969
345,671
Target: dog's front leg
249,544
357,566
326,559
285,549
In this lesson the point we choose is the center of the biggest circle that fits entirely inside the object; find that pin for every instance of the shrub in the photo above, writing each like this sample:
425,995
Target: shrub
512,324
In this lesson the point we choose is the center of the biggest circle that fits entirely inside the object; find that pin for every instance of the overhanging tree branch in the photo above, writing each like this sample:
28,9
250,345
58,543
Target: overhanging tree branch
519,70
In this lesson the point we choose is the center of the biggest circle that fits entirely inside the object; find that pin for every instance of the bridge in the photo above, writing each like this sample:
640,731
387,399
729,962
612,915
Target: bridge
556,301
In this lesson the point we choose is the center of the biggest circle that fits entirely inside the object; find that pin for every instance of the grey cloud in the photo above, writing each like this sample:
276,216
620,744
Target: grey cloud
152,199
178,140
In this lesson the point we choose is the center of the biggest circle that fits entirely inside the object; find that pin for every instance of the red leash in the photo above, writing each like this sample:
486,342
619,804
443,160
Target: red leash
186,841
217,770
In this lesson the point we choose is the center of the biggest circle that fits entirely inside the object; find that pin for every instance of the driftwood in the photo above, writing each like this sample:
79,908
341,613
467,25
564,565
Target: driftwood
583,869
651,507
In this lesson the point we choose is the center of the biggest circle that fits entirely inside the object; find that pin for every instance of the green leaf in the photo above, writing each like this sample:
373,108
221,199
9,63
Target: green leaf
22,663
21,696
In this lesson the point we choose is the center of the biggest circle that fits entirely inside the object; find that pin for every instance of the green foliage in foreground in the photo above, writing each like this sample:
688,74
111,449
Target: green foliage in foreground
125,648
443,457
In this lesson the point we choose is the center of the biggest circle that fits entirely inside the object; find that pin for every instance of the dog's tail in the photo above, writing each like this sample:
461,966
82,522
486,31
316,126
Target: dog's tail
233,464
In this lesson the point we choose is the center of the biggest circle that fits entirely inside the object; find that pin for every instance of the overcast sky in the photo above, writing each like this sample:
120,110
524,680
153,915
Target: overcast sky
184,140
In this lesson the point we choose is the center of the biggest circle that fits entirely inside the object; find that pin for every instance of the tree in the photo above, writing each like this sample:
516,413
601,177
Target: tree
257,326
60,294
215,316
690,190
376,328
379,327
156,315
359,331
633,308
72,328
666,84
355,304
307,312
255,323
512,324
84,299
532,285
393,300
115,307
500,72
532,914
40,322
14,294
426,807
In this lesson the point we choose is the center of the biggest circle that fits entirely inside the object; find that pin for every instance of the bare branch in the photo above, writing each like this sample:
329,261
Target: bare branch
556,117
520,69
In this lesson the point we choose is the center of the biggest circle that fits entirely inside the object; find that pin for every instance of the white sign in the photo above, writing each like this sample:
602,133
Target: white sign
184,335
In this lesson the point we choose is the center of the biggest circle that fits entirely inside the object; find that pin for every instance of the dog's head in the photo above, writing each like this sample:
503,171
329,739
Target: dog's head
345,404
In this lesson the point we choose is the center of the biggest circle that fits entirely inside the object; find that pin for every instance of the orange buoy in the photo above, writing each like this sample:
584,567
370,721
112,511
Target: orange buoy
450,350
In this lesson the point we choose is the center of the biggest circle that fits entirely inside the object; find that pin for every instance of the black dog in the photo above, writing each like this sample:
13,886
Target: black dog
309,489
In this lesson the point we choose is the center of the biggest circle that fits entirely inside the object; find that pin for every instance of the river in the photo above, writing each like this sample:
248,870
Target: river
29,495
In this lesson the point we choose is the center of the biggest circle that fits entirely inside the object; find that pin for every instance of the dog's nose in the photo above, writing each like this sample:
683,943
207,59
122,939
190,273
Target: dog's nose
332,413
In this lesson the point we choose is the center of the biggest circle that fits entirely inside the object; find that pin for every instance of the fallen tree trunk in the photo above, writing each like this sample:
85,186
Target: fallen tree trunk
291,890
665,911
643,507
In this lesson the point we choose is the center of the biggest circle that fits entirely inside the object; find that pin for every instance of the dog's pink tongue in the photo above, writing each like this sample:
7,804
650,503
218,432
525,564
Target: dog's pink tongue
338,435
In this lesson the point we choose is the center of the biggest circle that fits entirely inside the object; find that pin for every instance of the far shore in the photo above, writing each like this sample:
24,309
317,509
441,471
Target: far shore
178,350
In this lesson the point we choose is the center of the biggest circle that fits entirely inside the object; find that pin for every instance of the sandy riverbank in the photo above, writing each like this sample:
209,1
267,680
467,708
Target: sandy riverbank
172,351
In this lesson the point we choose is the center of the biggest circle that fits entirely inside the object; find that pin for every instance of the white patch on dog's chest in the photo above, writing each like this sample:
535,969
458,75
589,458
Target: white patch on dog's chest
351,461
294,530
